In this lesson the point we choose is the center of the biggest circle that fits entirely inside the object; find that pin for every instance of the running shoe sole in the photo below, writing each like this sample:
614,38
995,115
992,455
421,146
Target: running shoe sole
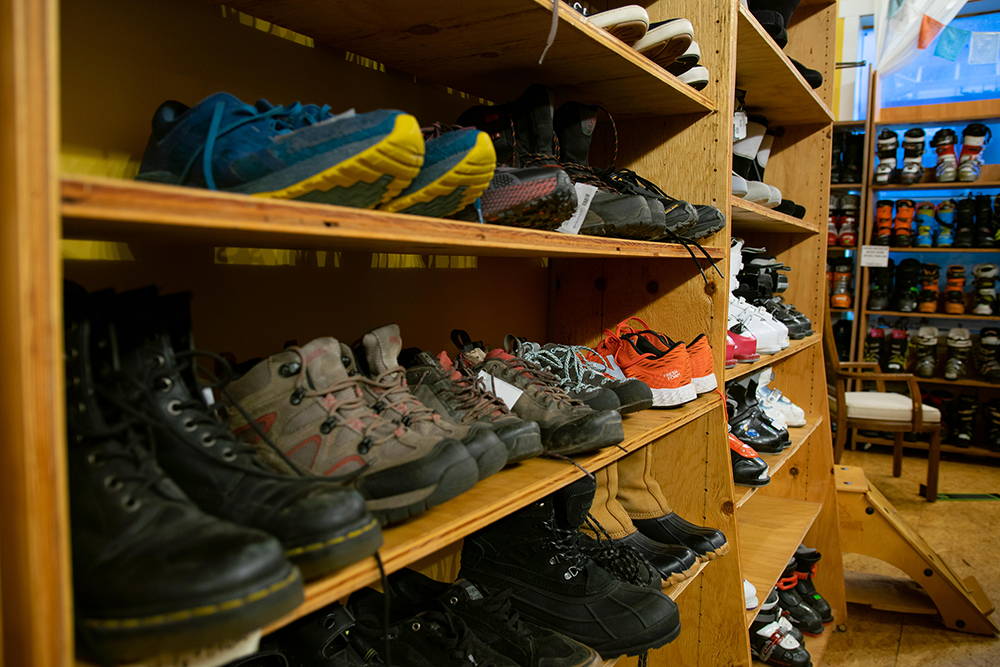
667,42
628,23
668,397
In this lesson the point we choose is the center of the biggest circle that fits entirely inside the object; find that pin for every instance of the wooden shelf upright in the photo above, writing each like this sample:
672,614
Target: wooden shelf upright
72,210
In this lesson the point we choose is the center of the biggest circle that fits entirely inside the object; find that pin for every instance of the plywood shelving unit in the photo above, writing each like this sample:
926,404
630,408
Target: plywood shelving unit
65,168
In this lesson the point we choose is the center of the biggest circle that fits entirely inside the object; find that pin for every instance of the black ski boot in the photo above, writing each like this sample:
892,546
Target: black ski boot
748,421
707,543
801,614
322,524
152,572
772,642
988,354
886,147
805,570
985,222
965,226
896,347
956,366
881,287
854,148
749,469
923,345
913,156
906,295
992,415
554,583
874,346
962,420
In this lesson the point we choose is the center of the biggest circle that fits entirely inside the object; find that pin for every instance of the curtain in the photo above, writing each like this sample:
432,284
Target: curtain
903,26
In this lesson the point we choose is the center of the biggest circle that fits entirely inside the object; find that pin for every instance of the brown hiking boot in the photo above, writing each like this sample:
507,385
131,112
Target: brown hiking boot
385,387
568,426
305,401
464,400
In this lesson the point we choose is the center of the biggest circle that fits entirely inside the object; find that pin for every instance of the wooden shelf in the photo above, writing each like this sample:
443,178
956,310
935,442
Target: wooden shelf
973,250
774,87
674,592
919,444
748,216
490,500
939,186
775,462
479,46
839,248
949,112
848,123
103,208
846,186
841,310
772,528
934,316
815,645
794,348
967,382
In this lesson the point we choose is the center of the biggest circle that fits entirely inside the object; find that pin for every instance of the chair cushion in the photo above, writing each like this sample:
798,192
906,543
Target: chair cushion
885,406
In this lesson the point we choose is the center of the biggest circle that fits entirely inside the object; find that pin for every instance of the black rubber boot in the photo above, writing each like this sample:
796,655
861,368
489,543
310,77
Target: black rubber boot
707,543
151,571
805,570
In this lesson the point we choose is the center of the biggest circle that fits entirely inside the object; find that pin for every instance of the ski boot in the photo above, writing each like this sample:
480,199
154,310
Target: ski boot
927,301
749,422
854,147
874,342
992,413
805,570
771,642
965,223
883,222
881,287
985,223
956,366
801,614
907,285
946,224
837,157
926,225
840,295
913,157
970,161
962,420
848,224
954,290
986,289
946,168
896,344
842,337
988,354
902,225
748,468
885,171
996,221
924,345
833,226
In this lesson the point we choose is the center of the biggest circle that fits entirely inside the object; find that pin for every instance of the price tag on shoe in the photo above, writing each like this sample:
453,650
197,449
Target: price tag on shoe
739,125
875,256
503,390
584,196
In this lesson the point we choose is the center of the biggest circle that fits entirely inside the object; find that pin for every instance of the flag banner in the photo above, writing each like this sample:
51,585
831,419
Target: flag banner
984,48
929,29
951,43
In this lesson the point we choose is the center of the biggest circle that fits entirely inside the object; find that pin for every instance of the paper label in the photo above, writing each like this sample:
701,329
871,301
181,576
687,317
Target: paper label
505,391
739,125
208,396
875,256
584,196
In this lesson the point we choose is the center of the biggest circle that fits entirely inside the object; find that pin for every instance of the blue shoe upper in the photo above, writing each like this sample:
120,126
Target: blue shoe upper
224,144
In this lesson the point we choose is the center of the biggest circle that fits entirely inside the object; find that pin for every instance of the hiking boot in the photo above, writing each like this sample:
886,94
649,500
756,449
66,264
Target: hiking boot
965,228
554,583
304,399
152,571
975,136
424,639
954,290
492,619
748,468
568,426
924,346
291,152
707,543
988,354
886,147
378,358
465,401
324,637
902,224
322,525
956,365
946,166
805,569
611,212
913,157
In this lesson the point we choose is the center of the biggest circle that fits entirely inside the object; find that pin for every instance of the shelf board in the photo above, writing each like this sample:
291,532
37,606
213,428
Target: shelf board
482,47
940,186
773,529
974,250
848,123
490,500
846,186
841,310
776,462
968,382
748,216
945,447
794,348
775,88
932,114
934,316
674,592
840,248
103,208
815,645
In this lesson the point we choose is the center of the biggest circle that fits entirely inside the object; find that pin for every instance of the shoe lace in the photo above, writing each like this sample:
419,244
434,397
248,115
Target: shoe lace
393,394
565,362
566,547
541,383
469,395
621,560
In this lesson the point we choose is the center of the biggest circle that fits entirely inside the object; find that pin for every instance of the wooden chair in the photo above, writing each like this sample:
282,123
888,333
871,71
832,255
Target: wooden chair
880,410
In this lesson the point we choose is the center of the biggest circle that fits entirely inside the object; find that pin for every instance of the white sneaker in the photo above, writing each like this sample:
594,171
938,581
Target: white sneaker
768,338
628,23
774,401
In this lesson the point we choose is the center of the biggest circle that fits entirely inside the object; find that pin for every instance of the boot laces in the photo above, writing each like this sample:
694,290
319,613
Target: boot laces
469,395
566,547
541,383
390,386
565,362
621,560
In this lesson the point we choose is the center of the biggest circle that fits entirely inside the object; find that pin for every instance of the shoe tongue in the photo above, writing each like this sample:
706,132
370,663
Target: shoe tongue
464,588
326,364
574,125
382,347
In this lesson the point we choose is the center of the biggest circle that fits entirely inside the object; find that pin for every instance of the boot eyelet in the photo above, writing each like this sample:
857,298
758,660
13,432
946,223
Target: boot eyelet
295,398
364,446
289,369
131,504
415,627
228,455
159,360
189,425
92,458
325,427
207,441
453,600
112,483
174,407
163,384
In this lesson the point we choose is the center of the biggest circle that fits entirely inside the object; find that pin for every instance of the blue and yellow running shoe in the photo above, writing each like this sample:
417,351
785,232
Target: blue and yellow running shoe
294,152
458,167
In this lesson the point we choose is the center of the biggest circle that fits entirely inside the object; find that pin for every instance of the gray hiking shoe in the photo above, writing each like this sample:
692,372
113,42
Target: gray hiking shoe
317,414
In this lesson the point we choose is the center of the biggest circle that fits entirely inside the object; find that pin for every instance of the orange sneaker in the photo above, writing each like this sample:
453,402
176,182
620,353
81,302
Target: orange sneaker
668,373
698,350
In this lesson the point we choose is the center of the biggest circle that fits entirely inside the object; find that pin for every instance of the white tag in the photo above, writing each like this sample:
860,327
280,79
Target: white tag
208,396
584,196
505,391
739,125
875,255
221,653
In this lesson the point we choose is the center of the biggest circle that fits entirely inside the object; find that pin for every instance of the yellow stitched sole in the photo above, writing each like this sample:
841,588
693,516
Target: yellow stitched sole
196,612
316,546
474,172
400,154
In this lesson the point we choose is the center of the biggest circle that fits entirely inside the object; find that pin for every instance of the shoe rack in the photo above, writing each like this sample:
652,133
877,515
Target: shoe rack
80,81
956,114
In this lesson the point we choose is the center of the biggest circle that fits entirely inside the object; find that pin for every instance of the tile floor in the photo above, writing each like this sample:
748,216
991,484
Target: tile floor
965,534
